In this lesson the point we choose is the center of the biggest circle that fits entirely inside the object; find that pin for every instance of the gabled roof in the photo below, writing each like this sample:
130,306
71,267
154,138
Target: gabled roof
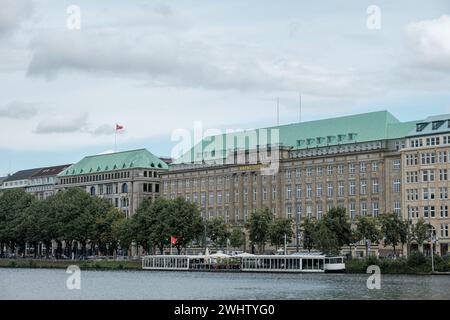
140,158
22,175
2,179
50,171
364,127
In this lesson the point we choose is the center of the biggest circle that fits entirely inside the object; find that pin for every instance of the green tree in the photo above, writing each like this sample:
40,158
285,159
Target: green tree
217,231
337,222
104,236
325,239
13,204
420,231
392,229
185,223
278,229
258,227
308,233
237,237
367,230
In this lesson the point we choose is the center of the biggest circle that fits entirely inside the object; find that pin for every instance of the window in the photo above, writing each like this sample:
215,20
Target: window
341,189
374,166
375,186
319,211
397,207
255,194
309,172
352,210
298,191
288,174
444,230
308,190
319,171
362,166
432,141
443,174
363,206
443,193
308,211
375,209
427,175
352,189
264,194
341,169
363,187
429,211
330,190
329,170
351,168
274,192
203,196
288,211
92,191
219,197
319,190
298,172
245,194
442,157
397,185
396,163
288,192
444,211
124,188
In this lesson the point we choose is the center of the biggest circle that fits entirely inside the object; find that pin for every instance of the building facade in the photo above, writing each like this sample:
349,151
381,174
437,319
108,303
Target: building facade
123,178
354,162
20,179
42,182
426,163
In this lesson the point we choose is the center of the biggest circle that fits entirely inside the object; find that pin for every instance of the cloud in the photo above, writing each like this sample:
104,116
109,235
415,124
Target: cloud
13,13
18,110
63,124
105,129
430,41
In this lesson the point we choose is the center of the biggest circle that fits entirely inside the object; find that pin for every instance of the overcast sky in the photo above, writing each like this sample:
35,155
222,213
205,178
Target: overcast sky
158,66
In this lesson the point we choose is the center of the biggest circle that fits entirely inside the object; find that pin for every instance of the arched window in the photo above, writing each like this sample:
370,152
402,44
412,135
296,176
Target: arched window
124,188
92,191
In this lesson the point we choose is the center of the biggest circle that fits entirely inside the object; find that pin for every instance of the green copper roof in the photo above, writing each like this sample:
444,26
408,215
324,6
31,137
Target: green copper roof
363,127
141,158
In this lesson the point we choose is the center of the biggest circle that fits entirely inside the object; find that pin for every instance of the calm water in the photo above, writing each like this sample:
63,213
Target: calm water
51,284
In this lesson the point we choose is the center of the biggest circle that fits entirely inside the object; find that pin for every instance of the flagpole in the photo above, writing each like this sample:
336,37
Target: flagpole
115,140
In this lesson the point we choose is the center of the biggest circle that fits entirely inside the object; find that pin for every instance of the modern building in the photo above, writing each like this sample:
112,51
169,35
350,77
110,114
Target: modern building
20,179
124,178
296,170
426,163
42,182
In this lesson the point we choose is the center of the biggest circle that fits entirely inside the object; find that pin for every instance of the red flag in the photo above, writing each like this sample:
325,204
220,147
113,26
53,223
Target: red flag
173,240
119,127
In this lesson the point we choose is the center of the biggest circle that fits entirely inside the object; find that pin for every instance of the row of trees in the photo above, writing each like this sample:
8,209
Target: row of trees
94,225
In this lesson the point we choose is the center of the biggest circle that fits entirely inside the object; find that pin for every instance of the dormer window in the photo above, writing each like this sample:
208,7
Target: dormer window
352,136
437,124
421,126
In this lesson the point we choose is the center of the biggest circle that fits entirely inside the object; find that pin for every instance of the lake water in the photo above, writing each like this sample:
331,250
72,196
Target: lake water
51,284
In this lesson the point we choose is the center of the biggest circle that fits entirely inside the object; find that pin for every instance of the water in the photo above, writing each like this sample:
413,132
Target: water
51,284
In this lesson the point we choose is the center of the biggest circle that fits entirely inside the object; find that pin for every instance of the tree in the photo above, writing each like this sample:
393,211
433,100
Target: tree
237,237
217,231
308,229
13,204
337,222
367,230
420,231
123,232
278,229
392,230
185,223
325,239
104,235
258,227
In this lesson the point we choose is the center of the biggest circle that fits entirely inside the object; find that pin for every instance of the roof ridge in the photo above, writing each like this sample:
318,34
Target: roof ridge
108,154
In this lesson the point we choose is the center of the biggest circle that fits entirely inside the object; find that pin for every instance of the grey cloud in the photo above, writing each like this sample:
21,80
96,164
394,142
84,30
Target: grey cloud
430,42
105,129
63,124
12,13
174,61
18,110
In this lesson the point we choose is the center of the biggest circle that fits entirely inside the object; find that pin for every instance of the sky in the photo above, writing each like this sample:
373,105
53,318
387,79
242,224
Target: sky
156,67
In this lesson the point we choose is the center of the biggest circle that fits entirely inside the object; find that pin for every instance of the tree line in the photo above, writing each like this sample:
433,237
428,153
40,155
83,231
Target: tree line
93,226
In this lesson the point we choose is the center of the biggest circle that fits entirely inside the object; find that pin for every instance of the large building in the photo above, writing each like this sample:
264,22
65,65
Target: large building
426,163
123,178
42,182
301,169
20,179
